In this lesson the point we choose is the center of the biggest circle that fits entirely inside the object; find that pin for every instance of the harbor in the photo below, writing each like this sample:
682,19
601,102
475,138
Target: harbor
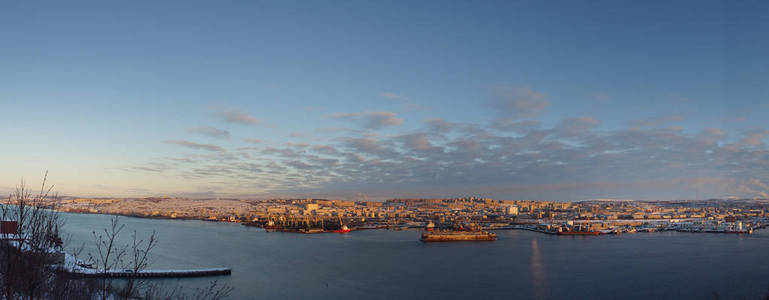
262,262
597,227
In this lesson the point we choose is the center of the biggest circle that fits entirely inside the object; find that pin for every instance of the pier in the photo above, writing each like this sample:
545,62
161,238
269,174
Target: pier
157,273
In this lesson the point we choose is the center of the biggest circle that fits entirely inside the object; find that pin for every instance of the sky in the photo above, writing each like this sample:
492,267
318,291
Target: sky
369,100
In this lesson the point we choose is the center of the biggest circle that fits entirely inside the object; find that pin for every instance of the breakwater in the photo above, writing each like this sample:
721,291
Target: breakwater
158,273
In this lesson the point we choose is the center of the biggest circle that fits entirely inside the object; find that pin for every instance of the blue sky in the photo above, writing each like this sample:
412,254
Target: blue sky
562,100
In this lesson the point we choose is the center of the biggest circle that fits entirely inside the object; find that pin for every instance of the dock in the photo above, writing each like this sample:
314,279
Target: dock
157,273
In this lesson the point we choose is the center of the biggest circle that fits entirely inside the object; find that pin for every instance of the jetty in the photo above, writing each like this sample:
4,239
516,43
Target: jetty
155,273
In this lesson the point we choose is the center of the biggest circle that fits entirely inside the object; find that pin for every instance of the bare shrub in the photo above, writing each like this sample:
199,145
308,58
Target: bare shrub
30,261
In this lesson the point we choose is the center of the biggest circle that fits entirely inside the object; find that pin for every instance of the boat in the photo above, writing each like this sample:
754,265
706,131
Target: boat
270,226
430,226
344,229
457,236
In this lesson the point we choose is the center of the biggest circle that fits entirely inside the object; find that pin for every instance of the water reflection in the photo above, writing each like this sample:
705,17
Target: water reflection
537,271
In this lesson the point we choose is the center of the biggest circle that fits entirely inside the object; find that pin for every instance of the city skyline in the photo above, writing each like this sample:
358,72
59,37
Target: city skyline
368,101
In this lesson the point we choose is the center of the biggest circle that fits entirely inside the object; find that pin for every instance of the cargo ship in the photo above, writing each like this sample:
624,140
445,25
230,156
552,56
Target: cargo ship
457,236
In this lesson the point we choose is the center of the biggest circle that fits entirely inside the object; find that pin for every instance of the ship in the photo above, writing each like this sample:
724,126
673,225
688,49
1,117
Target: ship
430,226
270,226
342,228
457,236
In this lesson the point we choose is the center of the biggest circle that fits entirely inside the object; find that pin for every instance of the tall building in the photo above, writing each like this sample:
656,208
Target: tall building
511,210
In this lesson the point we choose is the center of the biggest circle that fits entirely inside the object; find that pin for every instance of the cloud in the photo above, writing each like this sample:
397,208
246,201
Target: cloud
754,138
210,131
506,158
600,97
711,135
253,141
193,145
371,120
439,125
577,126
148,169
755,188
155,167
238,117
419,142
653,122
515,126
391,95
325,149
514,103
405,102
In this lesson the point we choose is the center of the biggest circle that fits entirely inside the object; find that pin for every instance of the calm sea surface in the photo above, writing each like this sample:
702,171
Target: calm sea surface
381,264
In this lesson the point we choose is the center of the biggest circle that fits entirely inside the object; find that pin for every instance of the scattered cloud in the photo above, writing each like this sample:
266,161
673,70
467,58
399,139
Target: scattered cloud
238,117
325,149
371,120
439,125
568,161
515,126
653,122
193,145
153,167
419,142
406,103
253,141
711,136
391,95
577,126
513,156
210,131
600,97
148,169
754,138
755,188
515,103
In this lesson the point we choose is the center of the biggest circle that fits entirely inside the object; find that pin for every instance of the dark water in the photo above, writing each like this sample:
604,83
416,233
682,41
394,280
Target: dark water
395,265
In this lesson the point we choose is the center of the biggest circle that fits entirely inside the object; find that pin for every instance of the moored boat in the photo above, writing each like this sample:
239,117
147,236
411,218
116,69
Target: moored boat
344,229
430,226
